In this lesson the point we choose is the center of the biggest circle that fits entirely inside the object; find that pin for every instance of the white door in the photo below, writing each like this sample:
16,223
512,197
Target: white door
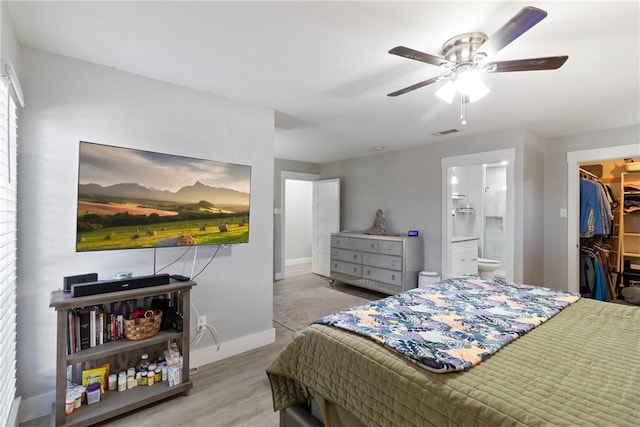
326,220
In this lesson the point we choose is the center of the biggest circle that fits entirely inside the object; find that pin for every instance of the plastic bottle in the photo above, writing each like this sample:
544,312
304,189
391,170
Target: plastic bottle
143,364
113,382
122,381
143,378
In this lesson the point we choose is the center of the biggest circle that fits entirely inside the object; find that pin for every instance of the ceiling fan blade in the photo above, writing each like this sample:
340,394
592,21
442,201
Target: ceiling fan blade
416,86
518,25
532,64
407,52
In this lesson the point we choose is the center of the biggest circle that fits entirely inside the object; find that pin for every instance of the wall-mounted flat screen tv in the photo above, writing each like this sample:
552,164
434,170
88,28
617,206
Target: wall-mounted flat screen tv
131,198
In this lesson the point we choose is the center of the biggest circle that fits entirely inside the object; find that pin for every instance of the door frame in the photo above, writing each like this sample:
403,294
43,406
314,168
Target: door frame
574,158
284,175
487,157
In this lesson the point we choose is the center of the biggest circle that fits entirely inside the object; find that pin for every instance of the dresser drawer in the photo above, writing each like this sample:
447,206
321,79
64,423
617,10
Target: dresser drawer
346,255
390,247
338,242
382,261
382,275
368,245
346,268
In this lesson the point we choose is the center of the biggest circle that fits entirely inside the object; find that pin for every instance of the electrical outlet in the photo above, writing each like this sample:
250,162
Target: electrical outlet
202,320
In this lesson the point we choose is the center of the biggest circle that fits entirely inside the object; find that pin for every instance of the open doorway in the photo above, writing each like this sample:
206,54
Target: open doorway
471,198
301,218
297,226
574,159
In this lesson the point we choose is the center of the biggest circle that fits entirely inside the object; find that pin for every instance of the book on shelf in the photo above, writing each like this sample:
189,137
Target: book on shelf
92,326
101,327
71,335
84,323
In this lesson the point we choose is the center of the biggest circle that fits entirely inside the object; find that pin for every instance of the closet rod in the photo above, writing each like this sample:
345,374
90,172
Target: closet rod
589,174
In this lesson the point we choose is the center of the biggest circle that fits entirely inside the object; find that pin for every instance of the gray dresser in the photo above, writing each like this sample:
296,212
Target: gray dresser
387,264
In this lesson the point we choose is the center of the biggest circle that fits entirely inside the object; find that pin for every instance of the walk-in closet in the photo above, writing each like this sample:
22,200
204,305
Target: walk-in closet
610,230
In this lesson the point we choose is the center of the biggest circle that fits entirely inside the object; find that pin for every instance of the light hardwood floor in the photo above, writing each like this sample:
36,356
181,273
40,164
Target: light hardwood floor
231,392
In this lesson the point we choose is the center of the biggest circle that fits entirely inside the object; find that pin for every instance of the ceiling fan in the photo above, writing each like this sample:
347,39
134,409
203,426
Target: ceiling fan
466,55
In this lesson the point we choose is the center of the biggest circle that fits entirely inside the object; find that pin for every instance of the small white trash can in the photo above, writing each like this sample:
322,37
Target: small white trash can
426,278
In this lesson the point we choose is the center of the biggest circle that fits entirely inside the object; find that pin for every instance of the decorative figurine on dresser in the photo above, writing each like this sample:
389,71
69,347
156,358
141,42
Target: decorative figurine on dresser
378,227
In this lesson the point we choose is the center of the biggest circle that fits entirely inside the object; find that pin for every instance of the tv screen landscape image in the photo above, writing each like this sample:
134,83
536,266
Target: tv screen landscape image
130,198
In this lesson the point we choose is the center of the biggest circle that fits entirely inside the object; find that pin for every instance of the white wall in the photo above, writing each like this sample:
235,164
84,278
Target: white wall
297,230
70,100
407,186
9,46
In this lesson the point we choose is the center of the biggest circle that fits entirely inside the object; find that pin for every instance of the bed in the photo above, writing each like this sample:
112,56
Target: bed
580,367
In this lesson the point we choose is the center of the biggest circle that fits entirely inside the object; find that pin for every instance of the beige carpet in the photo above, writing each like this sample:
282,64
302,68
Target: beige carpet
300,299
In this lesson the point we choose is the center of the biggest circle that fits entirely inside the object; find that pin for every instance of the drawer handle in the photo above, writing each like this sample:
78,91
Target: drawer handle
373,245
393,277
463,259
474,259
369,259
368,272
355,269
355,256
393,263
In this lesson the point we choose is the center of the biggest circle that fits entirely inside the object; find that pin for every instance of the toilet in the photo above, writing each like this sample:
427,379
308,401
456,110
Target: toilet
487,267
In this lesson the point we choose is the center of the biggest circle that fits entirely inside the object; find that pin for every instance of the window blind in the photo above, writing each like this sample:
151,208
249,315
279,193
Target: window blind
8,249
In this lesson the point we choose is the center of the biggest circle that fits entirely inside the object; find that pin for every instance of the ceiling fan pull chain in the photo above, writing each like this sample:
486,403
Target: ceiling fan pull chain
463,121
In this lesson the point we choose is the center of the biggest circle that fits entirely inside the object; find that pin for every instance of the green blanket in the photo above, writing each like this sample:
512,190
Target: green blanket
582,367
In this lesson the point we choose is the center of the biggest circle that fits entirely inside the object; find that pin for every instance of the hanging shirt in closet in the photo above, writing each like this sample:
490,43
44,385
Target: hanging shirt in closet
595,211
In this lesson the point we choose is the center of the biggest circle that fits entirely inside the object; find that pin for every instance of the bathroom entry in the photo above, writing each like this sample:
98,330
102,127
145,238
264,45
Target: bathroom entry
478,209
479,214
494,215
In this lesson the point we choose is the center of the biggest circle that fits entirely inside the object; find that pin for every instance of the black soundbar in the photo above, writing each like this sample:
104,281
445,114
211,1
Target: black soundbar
106,286
80,278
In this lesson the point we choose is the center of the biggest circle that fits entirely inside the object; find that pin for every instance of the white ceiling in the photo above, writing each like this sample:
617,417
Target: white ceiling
324,67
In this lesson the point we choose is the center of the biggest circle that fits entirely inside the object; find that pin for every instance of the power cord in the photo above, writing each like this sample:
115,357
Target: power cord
198,331
207,264
171,263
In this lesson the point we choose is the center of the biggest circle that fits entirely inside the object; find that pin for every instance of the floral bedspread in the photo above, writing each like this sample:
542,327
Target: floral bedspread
455,324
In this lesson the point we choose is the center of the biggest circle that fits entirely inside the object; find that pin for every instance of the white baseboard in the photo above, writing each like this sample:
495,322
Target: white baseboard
203,356
39,406
36,406
297,261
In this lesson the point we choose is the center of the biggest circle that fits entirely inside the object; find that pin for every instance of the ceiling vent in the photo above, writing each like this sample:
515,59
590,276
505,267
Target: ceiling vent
445,132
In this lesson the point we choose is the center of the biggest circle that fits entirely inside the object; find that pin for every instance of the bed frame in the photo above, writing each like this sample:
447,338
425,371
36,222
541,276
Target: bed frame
298,416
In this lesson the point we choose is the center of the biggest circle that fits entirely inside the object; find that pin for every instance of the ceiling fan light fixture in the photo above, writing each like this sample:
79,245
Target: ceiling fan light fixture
478,92
469,83
466,55
466,83
447,92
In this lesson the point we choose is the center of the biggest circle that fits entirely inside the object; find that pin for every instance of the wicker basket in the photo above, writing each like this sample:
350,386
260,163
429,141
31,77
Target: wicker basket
143,327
